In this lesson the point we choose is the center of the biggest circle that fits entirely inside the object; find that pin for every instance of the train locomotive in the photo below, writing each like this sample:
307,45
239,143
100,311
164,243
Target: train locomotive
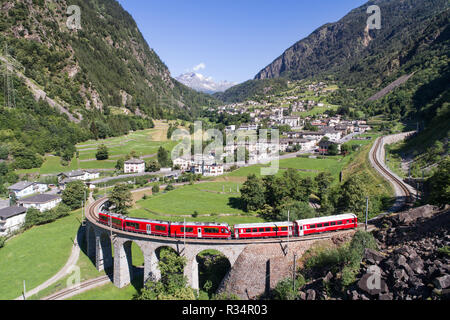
201,230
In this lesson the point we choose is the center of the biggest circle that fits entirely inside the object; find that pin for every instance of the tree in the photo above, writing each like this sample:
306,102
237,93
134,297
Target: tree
173,283
252,193
102,153
163,157
121,198
153,166
333,149
353,196
298,210
323,182
73,194
439,184
345,149
155,189
120,164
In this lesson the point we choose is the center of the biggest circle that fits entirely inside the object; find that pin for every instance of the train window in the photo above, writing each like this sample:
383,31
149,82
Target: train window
116,221
267,229
211,230
160,228
333,223
248,230
187,230
132,225
261,229
222,230
103,218
326,224
339,222
313,226
255,230
319,225
284,228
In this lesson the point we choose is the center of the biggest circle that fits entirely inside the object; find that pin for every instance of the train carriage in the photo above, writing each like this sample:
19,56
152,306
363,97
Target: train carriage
326,224
200,230
150,227
111,219
264,230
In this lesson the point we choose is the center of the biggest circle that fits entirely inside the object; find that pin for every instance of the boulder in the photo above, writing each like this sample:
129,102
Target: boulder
416,264
311,294
372,256
401,261
442,282
386,296
372,284
302,295
328,277
412,215
400,275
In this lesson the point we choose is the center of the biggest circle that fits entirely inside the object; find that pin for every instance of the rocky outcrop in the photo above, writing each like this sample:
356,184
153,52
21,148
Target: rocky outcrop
411,263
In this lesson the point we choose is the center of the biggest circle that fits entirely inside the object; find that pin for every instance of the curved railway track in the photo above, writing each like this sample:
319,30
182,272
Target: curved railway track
408,196
93,218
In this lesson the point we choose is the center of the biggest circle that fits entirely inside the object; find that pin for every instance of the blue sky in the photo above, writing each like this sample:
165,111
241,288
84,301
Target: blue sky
229,40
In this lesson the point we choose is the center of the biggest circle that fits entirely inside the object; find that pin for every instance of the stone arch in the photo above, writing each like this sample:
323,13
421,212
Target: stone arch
218,267
152,257
90,242
104,250
124,271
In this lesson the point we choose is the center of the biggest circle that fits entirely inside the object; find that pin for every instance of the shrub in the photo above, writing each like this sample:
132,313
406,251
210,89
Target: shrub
2,242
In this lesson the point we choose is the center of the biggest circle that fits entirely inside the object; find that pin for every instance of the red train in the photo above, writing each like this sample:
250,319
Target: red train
200,230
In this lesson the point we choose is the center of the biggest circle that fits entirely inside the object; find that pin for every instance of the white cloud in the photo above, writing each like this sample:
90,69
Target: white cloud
199,67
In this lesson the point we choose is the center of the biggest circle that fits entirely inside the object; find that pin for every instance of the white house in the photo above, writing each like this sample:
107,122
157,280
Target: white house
134,166
42,202
183,162
208,170
25,188
82,175
292,121
11,219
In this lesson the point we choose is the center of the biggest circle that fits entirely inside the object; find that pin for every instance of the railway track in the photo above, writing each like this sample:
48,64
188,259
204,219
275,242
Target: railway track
93,218
408,196
69,292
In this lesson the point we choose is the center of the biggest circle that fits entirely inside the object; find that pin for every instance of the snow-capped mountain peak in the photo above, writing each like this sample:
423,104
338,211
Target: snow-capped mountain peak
201,83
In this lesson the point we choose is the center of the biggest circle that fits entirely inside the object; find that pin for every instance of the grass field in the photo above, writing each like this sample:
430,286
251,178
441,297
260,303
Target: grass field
213,202
143,143
36,255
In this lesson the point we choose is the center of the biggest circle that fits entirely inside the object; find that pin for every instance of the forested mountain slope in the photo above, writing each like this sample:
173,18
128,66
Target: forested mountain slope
104,78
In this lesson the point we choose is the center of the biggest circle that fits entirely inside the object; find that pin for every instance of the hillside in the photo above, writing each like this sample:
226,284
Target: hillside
63,86
106,63
351,52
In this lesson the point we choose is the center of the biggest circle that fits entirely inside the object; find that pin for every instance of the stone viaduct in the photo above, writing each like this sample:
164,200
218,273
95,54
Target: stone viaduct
102,241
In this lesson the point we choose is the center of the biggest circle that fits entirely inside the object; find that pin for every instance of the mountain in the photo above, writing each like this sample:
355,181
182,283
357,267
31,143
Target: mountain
349,51
66,85
105,63
204,84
